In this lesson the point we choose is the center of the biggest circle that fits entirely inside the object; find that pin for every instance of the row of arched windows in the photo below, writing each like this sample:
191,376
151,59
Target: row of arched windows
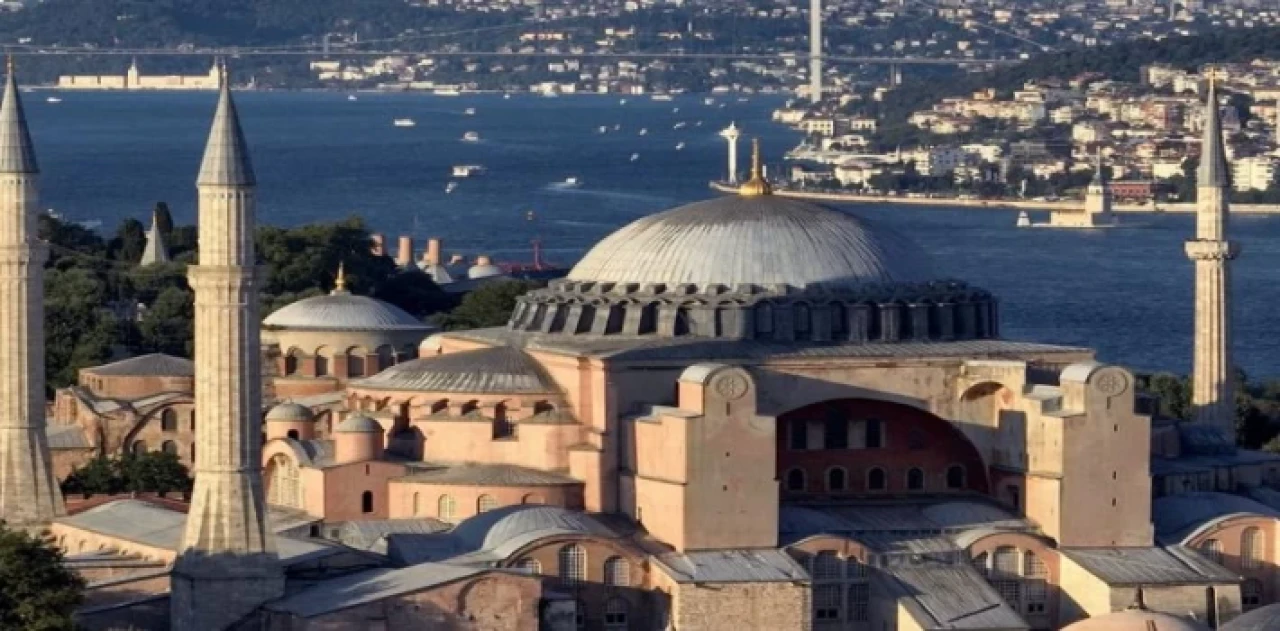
573,567
356,359
1252,549
447,506
169,420
837,479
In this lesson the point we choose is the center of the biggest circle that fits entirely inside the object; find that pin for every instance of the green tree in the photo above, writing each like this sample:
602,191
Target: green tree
150,472
167,325
413,291
79,332
37,592
164,220
490,305
130,241
98,476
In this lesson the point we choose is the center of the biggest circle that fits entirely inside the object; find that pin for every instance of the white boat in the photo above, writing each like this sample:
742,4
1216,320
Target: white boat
617,127
53,99
644,131
602,130
569,182
447,92
635,156
471,136
450,187
662,97
675,110
622,101
467,170
506,96
470,111
403,122
708,101
679,146
679,125
698,124
351,97
1024,220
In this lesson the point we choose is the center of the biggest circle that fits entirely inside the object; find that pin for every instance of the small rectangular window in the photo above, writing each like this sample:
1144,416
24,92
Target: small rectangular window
875,437
836,434
799,436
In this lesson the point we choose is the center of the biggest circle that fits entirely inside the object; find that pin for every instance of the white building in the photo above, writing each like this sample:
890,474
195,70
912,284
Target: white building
1253,174
935,161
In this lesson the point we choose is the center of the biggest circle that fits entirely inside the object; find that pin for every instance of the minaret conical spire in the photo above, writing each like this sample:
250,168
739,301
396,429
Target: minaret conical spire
226,154
157,250
1213,156
17,154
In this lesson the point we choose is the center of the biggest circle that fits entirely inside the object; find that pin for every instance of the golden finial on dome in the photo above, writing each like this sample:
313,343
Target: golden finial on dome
340,281
757,184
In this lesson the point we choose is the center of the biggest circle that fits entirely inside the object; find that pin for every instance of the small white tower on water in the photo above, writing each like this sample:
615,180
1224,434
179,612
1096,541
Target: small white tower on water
1213,400
227,564
815,50
29,498
732,134
1098,199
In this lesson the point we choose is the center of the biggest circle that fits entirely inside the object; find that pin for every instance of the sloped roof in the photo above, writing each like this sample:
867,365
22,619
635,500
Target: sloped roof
1177,517
950,597
732,566
496,370
365,534
152,365
490,475
369,586
493,529
1152,566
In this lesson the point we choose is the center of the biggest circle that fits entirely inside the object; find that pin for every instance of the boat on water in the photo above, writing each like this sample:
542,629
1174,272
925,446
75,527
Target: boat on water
617,127
680,146
447,92
506,96
635,156
1024,220
662,97
679,125
622,101
352,97
450,187
403,122
470,111
569,182
602,130
467,170
644,131
53,99
471,136
708,101
675,110
698,124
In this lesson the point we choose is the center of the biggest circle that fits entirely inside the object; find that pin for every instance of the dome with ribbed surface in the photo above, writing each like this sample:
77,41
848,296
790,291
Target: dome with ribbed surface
760,240
497,370
343,312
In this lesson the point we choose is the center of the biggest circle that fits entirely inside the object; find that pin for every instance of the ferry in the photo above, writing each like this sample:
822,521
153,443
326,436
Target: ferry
622,101
450,187
679,125
403,122
644,131
351,97
467,170
506,96
470,111
662,97
471,136
602,130
569,182
680,146
53,99
447,92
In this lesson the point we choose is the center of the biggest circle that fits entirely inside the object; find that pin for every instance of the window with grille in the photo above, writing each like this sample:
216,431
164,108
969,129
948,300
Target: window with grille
1212,550
1251,549
859,602
826,602
446,508
856,569
835,431
615,614
530,566
573,563
827,566
486,503
1036,593
617,572
1006,561
1251,593
1009,591
981,562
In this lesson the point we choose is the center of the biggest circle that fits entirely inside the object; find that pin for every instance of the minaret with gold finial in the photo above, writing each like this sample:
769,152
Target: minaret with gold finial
227,564
1213,400
29,497
757,185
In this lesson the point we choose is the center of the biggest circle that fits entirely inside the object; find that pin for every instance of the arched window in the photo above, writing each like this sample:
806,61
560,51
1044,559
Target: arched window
322,366
532,498
763,313
355,362
955,477
573,563
1251,553
502,428
169,447
795,480
366,502
386,357
168,420
915,480
827,566
1212,549
876,479
486,503
1005,575
836,479
531,566
139,447
615,614
293,433
1250,593
446,508
1005,562
802,318
291,362
617,572
417,506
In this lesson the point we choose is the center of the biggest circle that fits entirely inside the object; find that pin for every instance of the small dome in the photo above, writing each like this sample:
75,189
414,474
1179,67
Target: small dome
1136,620
754,240
484,271
492,529
499,369
359,424
343,312
1260,619
289,413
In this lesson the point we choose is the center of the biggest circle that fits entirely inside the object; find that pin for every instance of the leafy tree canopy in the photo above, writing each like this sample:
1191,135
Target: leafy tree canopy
490,305
150,472
37,592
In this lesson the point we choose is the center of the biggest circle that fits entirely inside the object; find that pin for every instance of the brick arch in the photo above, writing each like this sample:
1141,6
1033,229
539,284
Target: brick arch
908,437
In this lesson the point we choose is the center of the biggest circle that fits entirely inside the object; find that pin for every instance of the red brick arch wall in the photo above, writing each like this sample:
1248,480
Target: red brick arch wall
941,446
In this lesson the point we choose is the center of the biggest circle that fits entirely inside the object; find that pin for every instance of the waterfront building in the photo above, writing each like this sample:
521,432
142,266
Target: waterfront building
748,412
1255,173
133,79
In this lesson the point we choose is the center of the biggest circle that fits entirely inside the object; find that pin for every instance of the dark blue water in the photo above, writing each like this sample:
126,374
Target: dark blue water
1126,292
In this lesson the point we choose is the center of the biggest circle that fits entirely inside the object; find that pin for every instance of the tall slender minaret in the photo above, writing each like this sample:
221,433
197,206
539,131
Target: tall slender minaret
227,564
815,50
29,498
1213,390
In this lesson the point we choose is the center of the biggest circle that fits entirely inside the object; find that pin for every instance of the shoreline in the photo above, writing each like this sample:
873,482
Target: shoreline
991,204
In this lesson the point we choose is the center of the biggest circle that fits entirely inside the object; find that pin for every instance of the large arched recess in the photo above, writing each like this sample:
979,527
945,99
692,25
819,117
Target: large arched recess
910,439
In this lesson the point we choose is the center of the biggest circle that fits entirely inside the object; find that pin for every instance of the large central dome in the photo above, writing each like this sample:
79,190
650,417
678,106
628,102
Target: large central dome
762,240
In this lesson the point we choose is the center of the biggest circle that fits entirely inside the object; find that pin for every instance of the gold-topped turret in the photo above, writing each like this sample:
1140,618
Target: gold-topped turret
340,281
757,184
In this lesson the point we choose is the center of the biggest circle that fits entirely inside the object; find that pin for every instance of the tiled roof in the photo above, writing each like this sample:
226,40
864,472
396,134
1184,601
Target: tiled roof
365,534
369,586
732,566
490,475
950,597
500,369
1153,566
153,365
858,519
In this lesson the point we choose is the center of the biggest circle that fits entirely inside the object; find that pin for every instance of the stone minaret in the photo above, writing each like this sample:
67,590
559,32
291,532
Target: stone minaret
1213,390
29,497
815,51
227,565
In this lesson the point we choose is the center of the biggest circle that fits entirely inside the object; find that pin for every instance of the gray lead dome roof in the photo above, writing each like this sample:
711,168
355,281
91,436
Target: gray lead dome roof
343,312
761,240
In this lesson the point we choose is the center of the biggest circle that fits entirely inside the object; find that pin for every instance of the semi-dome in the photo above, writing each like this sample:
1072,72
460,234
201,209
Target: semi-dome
359,424
289,413
499,527
1261,619
343,312
1136,618
756,240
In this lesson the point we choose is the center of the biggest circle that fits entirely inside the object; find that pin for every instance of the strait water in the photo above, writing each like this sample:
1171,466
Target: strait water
1126,292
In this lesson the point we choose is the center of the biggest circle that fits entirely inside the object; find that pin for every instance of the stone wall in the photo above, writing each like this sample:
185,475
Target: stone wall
739,606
